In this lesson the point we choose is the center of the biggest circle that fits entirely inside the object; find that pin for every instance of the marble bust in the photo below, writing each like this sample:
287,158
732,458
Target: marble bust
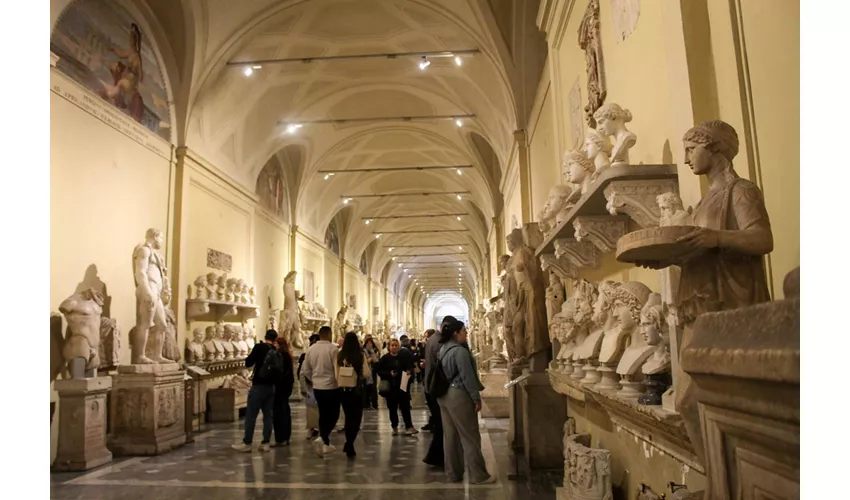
221,287
231,292
579,170
554,296
629,299
218,337
586,297
654,335
603,321
200,287
195,347
210,287
611,120
83,312
557,204
252,294
248,337
210,348
231,348
673,212
597,148
239,344
242,287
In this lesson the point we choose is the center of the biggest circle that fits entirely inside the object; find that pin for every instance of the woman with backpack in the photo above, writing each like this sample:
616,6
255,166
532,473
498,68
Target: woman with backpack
457,389
282,414
352,371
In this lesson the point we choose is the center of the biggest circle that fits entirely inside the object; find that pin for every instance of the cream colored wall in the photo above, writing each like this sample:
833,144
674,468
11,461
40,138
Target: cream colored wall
513,199
545,168
310,255
330,288
271,262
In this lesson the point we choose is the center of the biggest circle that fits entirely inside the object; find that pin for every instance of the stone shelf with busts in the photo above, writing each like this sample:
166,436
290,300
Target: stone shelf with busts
617,189
219,311
662,428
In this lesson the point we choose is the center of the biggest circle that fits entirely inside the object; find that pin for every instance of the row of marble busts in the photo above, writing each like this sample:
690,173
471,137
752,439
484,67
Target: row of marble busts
611,335
211,286
581,168
220,342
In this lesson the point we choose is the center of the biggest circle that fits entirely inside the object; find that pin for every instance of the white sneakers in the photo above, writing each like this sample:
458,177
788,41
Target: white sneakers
264,446
244,448
321,448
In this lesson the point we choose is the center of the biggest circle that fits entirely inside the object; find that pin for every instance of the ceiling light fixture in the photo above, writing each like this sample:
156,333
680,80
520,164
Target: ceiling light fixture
368,222
454,54
459,172
424,63
345,201
377,236
327,176
394,259
248,71
458,61
458,217
293,127
459,197
390,249
459,123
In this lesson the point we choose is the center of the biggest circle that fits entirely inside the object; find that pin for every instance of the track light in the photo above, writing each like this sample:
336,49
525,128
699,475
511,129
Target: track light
459,172
459,247
424,63
458,217
399,264
293,127
459,123
459,197
345,201
390,249
393,258
458,61
248,71
377,236
368,221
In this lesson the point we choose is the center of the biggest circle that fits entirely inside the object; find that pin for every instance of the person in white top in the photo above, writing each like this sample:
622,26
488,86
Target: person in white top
319,371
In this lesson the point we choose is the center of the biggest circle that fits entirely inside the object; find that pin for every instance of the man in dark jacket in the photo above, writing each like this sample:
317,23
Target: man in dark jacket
260,396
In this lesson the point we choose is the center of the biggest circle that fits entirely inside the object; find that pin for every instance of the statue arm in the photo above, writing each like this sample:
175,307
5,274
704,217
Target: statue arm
142,261
753,235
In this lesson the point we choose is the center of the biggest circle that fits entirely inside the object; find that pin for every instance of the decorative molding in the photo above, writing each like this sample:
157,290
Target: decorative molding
587,471
637,199
562,267
580,253
53,59
603,232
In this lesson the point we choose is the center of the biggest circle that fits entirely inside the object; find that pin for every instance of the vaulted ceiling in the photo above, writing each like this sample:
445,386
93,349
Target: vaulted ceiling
239,122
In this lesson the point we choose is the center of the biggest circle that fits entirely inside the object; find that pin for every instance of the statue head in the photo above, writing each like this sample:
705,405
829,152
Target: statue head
604,304
610,118
652,319
629,299
252,290
231,284
219,331
198,335
200,281
503,262
210,333
232,332
669,203
514,240
577,166
710,145
222,281
154,238
595,143
290,277
211,279
585,296
242,286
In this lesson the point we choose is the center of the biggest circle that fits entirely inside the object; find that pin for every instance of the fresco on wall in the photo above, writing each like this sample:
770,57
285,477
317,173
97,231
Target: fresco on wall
332,238
269,188
102,48
363,263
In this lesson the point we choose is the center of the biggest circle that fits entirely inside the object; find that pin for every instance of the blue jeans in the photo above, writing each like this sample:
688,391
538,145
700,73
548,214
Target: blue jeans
260,397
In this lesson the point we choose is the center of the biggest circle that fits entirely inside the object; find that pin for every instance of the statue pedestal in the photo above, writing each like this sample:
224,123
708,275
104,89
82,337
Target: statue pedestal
495,402
544,415
148,409
82,423
515,411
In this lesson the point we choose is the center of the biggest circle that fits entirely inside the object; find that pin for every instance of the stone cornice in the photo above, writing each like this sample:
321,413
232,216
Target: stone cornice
579,253
637,198
602,231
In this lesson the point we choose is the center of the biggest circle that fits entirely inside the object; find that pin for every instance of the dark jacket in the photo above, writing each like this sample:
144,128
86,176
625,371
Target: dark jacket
256,359
283,388
399,363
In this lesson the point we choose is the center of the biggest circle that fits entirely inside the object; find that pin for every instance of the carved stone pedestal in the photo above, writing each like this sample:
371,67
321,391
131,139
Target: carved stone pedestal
544,414
494,398
609,380
631,387
577,372
515,409
591,373
225,403
587,471
82,423
148,409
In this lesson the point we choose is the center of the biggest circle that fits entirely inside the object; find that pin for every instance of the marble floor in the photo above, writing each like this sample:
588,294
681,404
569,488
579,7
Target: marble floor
386,467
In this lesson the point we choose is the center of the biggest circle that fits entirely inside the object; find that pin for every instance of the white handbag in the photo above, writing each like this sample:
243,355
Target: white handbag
346,377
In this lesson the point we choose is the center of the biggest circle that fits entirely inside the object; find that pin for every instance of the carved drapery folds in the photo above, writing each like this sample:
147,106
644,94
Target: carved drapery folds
587,471
602,231
590,41
638,199
579,253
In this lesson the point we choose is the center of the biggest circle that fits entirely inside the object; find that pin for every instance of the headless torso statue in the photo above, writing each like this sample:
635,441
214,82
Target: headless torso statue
149,273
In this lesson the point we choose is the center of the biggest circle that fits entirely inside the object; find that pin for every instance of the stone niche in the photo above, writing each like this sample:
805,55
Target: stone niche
147,409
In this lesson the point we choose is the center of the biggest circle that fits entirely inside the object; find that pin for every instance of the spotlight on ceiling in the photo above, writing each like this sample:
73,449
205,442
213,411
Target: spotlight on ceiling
459,123
293,127
393,258
458,61
390,249
327,176
399,264
345,201
459,197
377,236
459,172
248,71
459,247
458,217
424,63
368,221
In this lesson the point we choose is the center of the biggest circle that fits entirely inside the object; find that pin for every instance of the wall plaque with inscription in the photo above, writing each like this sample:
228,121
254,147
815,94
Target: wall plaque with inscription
219,260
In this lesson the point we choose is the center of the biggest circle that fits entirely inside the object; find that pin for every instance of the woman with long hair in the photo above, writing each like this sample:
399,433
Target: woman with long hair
373,354
282,413
390,369
352,370
458,407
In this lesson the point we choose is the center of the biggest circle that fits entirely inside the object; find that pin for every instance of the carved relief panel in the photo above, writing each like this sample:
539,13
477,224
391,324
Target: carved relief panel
587,471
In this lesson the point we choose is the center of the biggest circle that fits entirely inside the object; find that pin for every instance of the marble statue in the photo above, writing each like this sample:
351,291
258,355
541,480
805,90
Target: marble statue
200,287
109,349
210,349
724,269
673,213
611,120
170,351
561,199
82,337
339,324
252,294
231,293
290,317
231,333
638,350
629,299
527,332
590,41
239,382
149,272
242,287
597,148
603,321
218,341
239,343
587,471
195,347
565,328
555,296
210,287
586,295
655,334
249,337
221,287
579,170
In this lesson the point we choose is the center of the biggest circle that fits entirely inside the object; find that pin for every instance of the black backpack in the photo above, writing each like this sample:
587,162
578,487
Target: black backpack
438,385
272,369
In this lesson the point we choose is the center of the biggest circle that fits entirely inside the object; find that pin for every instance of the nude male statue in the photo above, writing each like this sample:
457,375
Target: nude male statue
149,275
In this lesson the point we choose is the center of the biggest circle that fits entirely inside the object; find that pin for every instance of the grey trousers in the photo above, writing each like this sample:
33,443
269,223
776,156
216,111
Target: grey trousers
461,438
